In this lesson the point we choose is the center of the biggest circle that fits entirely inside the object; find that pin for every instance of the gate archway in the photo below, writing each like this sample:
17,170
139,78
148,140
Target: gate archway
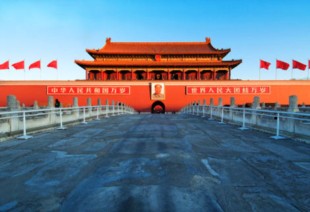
158,107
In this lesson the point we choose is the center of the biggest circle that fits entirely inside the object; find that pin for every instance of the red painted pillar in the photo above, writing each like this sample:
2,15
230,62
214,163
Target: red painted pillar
169,75
198,74
227,75
131,74
117,75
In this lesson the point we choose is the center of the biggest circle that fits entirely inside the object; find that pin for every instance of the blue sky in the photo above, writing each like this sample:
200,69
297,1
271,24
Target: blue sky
44,30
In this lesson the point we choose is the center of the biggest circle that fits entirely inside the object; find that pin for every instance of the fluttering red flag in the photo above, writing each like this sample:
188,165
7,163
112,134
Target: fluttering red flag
4,65
52,64
282,65
36,64
264,64
299,65
19,65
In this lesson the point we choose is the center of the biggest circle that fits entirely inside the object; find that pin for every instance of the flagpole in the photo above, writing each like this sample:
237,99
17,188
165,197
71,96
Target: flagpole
308,69
259,73
24,71
276,73
291,73
276,67
57,69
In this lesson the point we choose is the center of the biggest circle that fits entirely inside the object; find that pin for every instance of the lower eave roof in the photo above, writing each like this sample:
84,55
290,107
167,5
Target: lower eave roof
85,63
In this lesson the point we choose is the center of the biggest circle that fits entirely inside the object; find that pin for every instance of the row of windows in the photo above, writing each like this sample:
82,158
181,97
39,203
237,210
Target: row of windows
158,75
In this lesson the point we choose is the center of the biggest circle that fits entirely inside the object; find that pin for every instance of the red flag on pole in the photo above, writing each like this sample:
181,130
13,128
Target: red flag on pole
4,65
299,65
52,64
36,64
308,64
19,65
264,64
282,65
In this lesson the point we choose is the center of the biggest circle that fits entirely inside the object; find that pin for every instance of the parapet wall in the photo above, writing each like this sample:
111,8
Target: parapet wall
137,94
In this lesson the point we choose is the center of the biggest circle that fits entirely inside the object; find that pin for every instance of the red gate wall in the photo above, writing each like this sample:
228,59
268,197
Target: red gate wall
139,98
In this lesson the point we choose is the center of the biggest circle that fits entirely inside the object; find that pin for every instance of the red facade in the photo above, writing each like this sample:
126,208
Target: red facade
156,77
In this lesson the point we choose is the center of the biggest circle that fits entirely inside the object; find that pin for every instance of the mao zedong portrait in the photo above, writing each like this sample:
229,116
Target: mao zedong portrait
158,93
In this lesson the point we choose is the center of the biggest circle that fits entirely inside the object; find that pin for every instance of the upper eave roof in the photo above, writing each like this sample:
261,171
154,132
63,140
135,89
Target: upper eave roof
162,48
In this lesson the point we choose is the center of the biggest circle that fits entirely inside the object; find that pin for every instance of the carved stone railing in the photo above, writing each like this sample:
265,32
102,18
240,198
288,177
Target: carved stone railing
291,123
21,121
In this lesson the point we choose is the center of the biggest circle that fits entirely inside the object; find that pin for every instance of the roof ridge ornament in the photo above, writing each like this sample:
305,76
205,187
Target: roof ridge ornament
108,40
208,40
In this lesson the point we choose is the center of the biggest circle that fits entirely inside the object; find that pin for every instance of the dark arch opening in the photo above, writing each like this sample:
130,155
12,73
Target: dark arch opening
158,107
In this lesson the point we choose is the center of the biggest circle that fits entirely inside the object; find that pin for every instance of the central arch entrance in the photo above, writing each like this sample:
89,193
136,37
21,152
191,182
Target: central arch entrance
158,107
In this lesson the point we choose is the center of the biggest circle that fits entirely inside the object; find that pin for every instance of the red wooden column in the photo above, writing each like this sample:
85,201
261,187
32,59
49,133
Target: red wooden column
198,74
133,75
102,75
118,74
168,73
213,74
184,74
227,74
147,74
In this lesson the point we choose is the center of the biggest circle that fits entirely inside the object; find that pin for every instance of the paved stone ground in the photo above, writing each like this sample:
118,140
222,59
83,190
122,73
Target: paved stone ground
154,163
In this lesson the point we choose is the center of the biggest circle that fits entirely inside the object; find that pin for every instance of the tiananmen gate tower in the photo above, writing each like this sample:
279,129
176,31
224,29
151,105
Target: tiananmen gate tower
166,60
157,77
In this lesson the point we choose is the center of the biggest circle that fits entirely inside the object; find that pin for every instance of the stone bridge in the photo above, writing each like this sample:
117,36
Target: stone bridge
154,162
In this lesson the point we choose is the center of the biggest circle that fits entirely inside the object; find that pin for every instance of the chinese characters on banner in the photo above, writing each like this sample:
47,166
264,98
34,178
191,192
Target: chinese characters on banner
200,90
88,90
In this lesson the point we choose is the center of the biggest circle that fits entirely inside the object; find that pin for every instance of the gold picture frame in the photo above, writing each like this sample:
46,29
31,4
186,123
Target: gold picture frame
158,91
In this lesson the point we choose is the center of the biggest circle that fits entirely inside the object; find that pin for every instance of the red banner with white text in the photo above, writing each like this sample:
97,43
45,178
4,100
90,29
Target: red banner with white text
88,90
202,90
